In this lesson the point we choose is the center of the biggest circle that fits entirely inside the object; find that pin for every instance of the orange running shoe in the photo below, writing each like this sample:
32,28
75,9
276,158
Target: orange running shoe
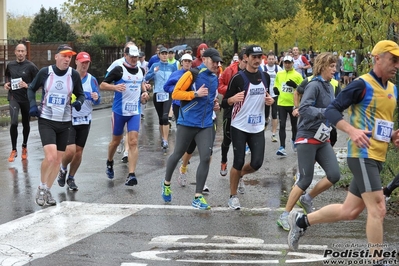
24,154
13,154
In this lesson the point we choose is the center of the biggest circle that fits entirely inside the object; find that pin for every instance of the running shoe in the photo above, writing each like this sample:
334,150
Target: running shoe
71,184
234,203
293,145
295,232
241,186
247,149
165,144
205,190
131,180
110,169
24,154
200,203
274,139
13,155
223,169
166,192
307,207
61,178
142,116
121,146
49,198
281,151
40,196
283,221
182,178
125,159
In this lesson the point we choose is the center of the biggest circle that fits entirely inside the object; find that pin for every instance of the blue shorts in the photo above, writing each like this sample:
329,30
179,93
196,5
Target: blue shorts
119,121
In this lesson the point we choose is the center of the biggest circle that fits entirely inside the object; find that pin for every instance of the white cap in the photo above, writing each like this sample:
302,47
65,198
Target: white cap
133,50
353,52
187,57
335,53
235,58
288,58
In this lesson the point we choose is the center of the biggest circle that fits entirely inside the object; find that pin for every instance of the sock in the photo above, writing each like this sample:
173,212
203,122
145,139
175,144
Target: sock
166,185
302,222
183,169
285,213
70,176
110,163
307,197
24,145
132,174
43,185
125,153
64,169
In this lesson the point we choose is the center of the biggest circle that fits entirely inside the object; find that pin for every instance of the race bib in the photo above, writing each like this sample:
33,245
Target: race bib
323,133
15,83
162,97
56,99
288,89
131,107
254,119
82,120
383,130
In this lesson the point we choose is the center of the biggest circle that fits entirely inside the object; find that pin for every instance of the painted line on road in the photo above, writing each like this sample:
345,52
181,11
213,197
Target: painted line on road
53,228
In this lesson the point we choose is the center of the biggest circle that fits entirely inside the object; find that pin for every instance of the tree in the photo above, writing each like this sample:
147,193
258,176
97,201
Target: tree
243,21
144,21
47,26
17,27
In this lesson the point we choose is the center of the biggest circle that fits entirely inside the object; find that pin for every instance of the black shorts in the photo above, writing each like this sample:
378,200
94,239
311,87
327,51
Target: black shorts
54,132
78,135
366,175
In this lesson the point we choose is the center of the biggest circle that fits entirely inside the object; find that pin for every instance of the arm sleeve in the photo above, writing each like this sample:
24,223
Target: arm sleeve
352,94
302,86
236,85
183,84
114,75
94,86
307,106
151,73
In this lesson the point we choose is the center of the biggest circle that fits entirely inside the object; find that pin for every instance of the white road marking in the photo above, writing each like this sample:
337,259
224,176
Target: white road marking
51,229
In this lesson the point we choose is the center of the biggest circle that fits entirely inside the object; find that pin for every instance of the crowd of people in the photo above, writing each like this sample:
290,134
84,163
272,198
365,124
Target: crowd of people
255,89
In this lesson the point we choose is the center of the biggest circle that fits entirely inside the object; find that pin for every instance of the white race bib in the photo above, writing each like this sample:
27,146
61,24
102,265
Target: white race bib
131,107
15,83
162,97
323,133
56,99
82,120
383,130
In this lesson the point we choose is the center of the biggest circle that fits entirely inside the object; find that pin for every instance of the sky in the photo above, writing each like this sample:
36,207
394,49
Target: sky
31,7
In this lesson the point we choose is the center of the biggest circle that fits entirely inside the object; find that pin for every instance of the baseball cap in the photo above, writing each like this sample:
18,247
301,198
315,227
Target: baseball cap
347,52
353,52
65,49
235,58
141,54
254,50
386,46
132,50
213,54
83,57
187,57
163,49
188,48
335,53
288,58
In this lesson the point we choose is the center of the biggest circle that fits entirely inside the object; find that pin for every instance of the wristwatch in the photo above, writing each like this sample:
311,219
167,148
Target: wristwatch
196,95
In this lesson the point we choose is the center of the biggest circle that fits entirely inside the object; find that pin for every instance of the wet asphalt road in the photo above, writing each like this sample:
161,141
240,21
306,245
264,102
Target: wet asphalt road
107,223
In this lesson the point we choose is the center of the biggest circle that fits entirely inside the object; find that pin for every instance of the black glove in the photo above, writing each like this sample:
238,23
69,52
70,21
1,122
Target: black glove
291,83
77,105
34,111
276,91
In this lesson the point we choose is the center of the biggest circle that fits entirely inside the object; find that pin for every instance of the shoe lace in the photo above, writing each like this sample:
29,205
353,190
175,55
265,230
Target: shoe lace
202,200
167,190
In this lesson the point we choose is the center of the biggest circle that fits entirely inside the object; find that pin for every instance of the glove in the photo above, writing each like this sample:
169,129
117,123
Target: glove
77,105
276,91
291,83
34,111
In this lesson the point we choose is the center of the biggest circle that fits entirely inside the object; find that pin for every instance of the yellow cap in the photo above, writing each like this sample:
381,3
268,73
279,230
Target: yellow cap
386,46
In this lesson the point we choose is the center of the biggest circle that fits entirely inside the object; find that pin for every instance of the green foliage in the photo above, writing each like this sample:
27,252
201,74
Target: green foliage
47,26
17,26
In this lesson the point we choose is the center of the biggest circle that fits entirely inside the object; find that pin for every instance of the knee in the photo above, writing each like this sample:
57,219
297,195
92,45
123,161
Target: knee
377,211
333,177
304,182
164,120
256,164
133,142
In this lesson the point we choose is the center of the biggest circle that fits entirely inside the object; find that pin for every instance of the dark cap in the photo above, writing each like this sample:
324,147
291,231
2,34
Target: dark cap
188,48
141,54
65,49
213,54
163,49
254,50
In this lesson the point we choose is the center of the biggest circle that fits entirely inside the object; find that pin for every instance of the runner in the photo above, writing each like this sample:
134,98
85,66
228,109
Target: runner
81,121
58,81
